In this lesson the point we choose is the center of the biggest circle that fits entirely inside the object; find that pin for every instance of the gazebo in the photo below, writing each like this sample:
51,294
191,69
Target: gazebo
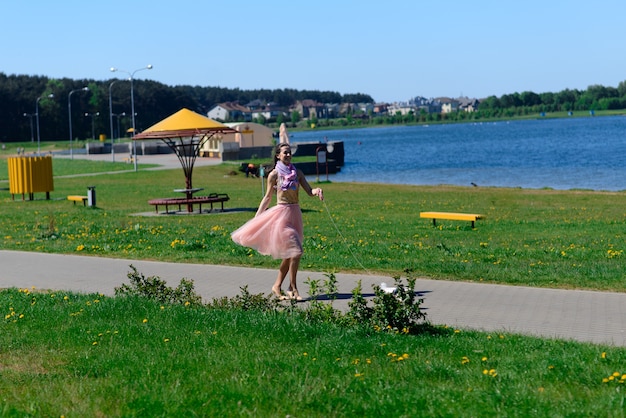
185,132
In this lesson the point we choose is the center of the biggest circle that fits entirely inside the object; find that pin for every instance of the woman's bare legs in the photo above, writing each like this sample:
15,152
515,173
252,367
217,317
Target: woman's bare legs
282,273
288,265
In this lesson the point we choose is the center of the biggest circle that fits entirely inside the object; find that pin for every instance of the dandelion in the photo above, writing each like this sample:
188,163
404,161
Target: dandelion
145,320
94,343
603,355
167,340
465,360
187,303
484,359
80,247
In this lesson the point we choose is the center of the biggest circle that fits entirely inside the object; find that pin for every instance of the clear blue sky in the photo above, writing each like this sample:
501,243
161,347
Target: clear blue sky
392,50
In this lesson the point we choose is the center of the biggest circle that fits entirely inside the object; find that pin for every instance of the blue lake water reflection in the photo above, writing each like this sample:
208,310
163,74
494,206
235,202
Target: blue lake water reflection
576,153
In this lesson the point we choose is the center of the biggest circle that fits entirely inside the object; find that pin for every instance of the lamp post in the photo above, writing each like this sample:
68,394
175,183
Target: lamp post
132,104
69,111
32,134
50,96
93,123
111,114
118,116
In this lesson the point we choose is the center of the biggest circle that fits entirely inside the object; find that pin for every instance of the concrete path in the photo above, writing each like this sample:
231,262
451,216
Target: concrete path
598,317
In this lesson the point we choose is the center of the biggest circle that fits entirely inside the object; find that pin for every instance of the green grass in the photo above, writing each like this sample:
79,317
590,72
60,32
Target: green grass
90,355
63,354
545,238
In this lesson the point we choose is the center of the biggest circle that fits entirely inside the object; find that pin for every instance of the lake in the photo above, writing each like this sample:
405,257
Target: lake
568,153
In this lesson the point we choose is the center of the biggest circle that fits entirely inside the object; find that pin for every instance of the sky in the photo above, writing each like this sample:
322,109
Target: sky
393,50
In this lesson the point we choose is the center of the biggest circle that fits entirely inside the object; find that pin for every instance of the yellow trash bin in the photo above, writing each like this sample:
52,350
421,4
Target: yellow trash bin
30,175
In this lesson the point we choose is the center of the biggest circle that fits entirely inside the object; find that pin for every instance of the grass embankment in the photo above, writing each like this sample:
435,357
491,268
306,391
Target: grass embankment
86,355
89,355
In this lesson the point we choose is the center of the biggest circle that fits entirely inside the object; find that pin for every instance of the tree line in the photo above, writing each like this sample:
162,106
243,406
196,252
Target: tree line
21,97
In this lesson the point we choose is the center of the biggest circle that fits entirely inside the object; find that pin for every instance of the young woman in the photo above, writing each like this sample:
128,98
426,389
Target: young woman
278,231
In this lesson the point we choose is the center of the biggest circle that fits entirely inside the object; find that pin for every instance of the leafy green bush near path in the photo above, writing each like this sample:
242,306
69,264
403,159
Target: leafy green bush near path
63,354
548,238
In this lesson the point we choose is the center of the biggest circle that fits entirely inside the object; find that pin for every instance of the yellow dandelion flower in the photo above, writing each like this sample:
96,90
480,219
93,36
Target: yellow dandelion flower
616,374
485,371
603,355
605,380
95,343
465,360
187,303
145,320
484,359
167,340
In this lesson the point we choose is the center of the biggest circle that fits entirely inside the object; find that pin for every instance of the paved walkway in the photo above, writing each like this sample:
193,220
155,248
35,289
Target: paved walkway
598,317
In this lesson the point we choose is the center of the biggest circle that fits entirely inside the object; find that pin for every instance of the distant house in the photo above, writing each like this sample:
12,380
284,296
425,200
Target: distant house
309,109
249,135
267,111
468,105
380,108
229,111
401,108
448,105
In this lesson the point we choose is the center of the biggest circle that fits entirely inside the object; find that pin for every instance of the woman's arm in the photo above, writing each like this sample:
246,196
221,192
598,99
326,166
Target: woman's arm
307,187
267,199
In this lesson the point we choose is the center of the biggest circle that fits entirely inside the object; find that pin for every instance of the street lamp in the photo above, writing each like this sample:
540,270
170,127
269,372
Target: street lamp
132,104
69,111
50,96
111,114
93,124
30,116
118,116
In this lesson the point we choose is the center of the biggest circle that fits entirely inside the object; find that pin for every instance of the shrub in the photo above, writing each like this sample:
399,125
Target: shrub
155,288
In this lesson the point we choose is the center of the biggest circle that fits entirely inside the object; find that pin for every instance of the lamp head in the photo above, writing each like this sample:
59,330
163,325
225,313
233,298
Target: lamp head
113,69
149,67
85,88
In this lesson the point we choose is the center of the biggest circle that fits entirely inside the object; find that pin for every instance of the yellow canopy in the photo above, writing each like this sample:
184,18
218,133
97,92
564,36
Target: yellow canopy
183,123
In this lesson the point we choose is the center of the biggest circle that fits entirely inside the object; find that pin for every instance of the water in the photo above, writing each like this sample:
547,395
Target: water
570,153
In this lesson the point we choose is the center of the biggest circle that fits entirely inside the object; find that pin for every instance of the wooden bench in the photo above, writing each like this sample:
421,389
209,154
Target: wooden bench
472,217
196,200
76,198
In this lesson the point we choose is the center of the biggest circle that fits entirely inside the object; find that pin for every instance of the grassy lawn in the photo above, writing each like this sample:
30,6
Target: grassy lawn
64,354
548,238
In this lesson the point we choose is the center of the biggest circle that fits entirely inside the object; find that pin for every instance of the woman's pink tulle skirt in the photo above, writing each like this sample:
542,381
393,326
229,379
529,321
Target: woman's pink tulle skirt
277,232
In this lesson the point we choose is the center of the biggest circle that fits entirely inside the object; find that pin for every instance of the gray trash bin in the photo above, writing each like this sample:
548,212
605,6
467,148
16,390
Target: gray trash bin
91,196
